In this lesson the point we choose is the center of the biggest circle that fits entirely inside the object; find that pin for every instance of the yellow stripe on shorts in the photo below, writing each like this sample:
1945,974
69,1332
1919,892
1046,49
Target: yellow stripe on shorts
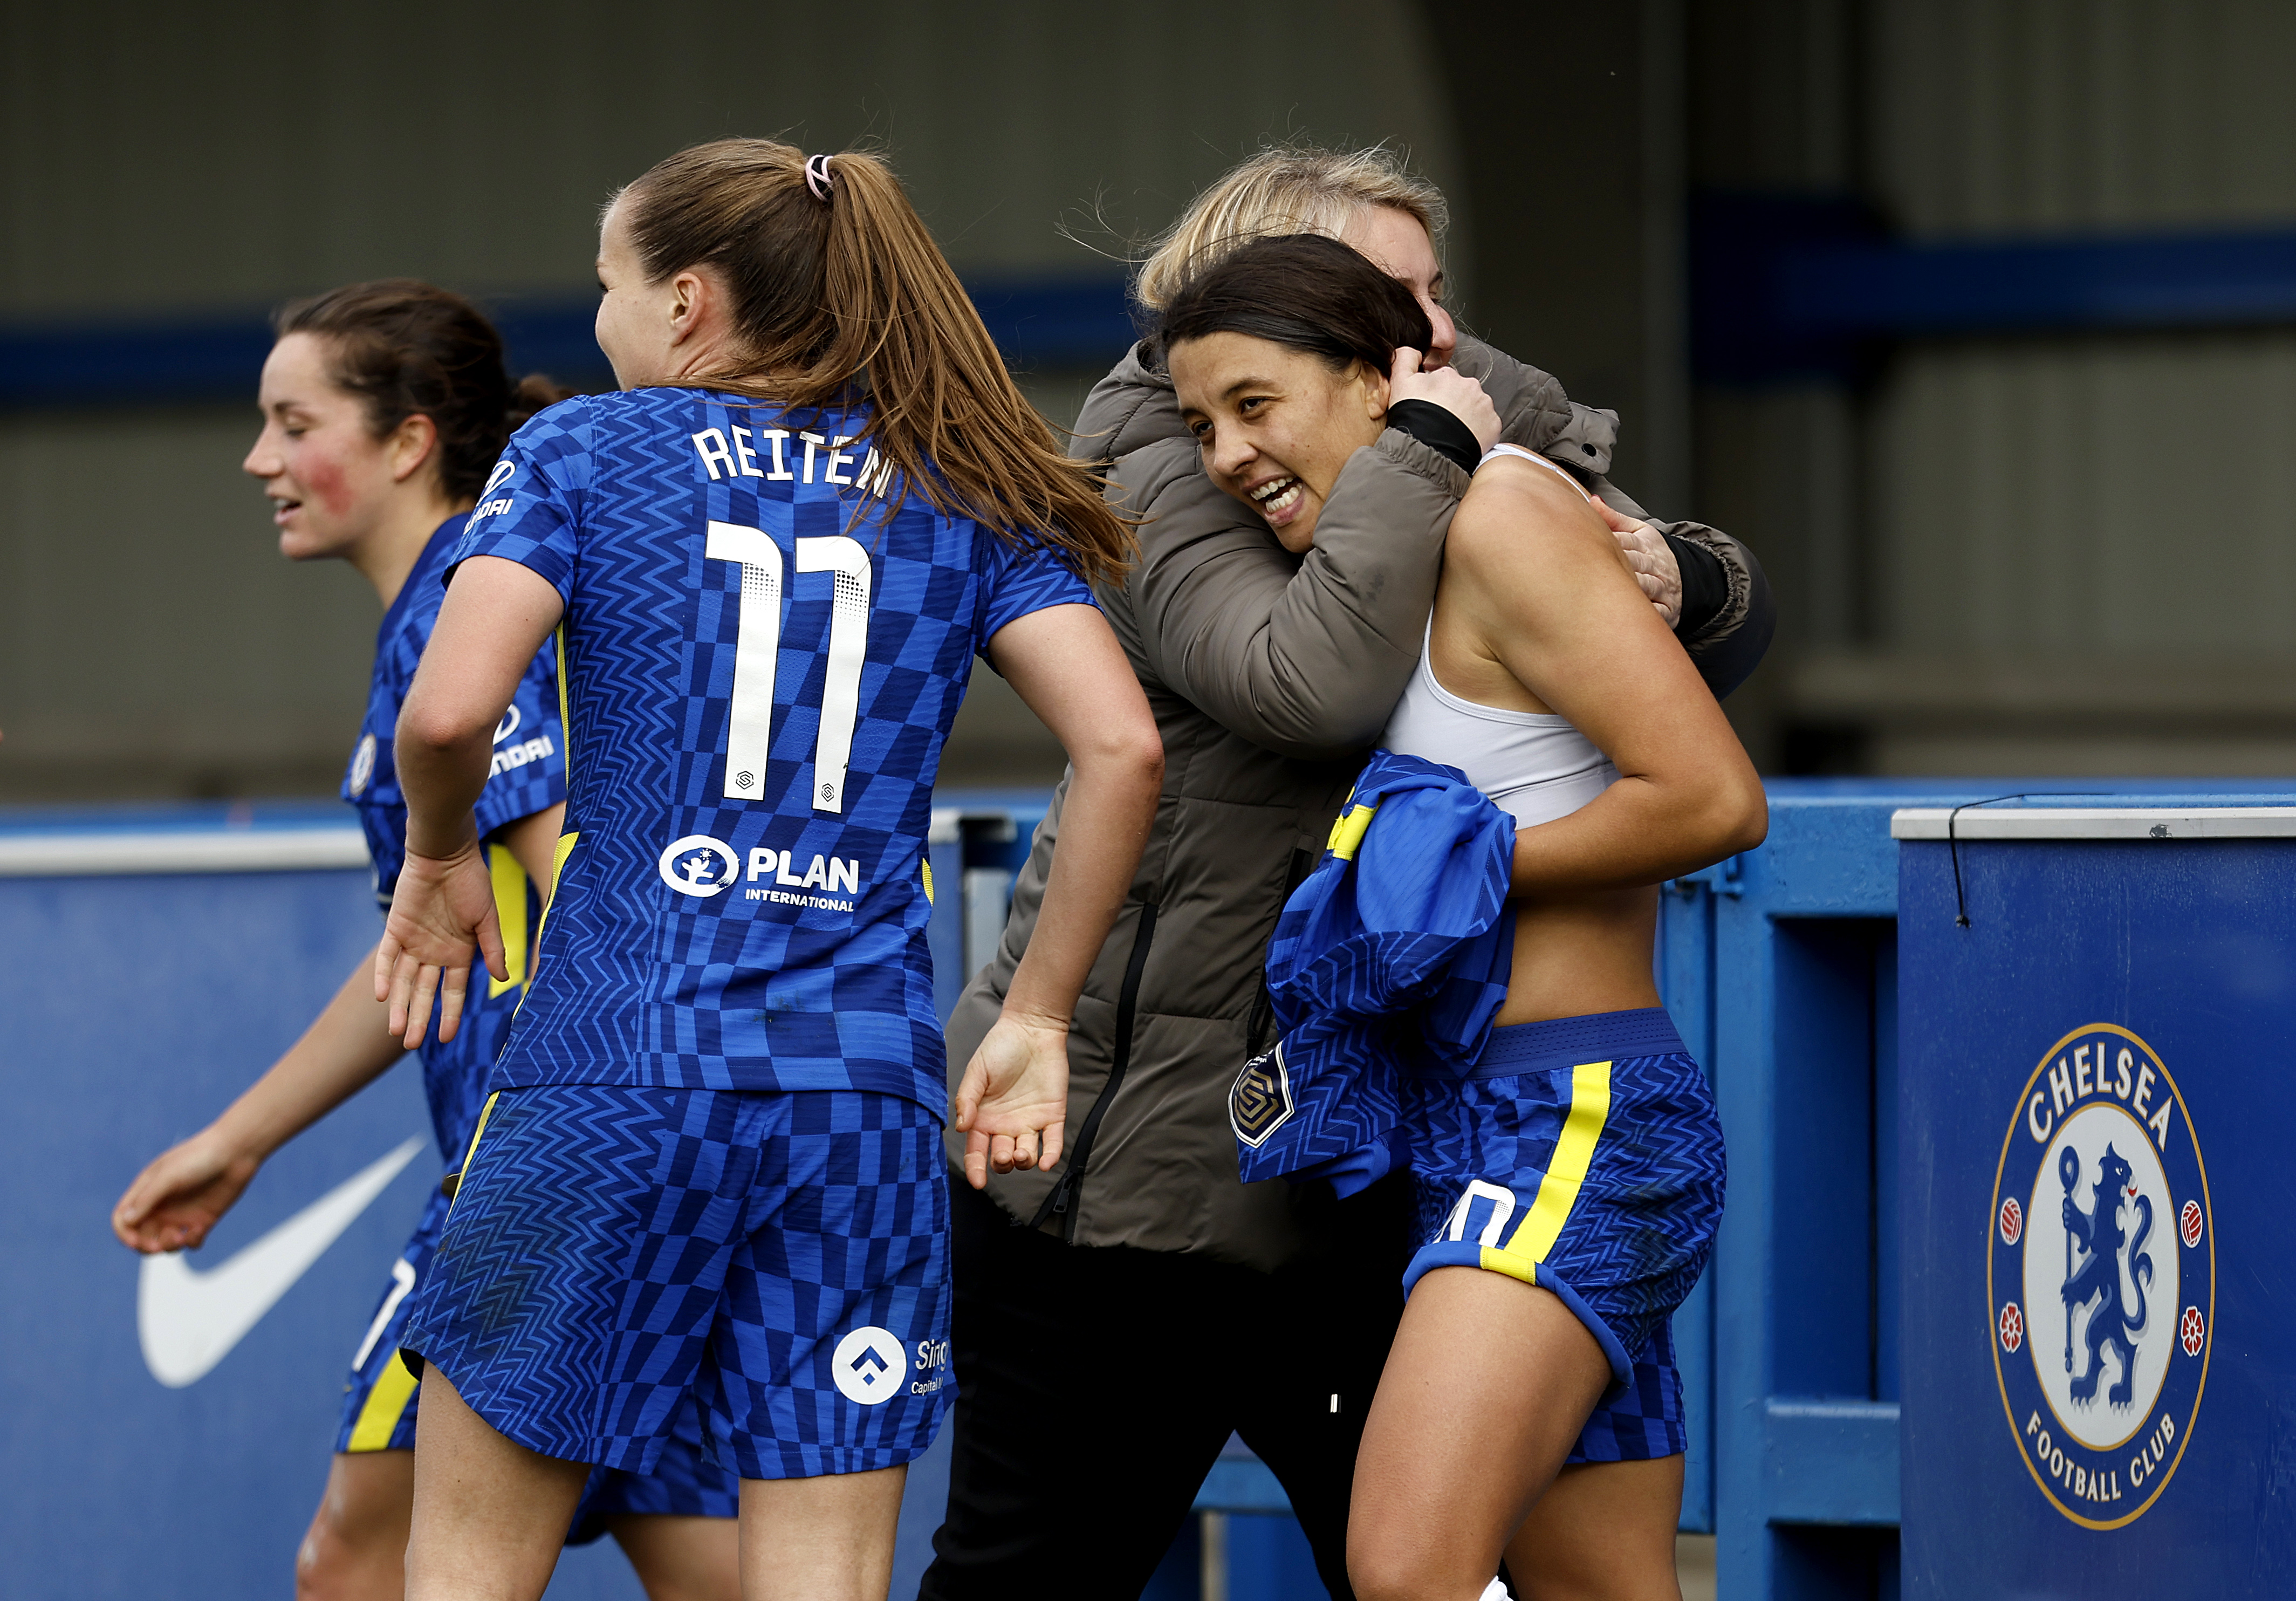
1566,1175
564,848
471,1154
509,881
378,1420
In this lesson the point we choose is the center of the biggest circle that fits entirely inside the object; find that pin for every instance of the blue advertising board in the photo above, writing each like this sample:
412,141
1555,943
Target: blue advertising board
170,1419
2099,1216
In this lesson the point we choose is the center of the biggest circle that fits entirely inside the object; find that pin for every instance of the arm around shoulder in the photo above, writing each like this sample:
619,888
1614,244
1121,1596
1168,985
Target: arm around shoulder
1303,656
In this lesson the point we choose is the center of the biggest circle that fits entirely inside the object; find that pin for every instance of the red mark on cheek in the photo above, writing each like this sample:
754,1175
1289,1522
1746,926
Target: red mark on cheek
324,481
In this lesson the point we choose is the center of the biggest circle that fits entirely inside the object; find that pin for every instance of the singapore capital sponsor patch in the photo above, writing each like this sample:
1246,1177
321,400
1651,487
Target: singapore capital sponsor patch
2101,1276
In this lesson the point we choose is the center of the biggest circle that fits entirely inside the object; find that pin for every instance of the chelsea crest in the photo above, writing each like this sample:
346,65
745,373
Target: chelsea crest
2101,1276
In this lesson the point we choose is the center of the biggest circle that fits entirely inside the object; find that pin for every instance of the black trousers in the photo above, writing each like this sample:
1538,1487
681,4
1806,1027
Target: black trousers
1096,1385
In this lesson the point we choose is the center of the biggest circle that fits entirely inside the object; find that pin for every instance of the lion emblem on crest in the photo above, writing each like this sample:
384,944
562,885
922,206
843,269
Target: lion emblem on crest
2102,1239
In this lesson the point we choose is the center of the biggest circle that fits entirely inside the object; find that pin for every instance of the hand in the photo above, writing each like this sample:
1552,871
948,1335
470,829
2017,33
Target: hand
1014,1093
175,1201
1456,393
441,915
1649,559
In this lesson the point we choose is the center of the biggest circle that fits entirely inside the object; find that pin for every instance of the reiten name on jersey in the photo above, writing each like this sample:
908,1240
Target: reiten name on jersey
739,458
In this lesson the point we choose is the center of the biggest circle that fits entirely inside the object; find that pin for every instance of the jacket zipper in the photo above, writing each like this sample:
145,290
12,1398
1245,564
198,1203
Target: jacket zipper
1062,1200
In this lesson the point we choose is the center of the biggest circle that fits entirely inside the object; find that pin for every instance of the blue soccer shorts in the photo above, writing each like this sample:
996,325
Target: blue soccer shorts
379,1409
1582,1155
779,1258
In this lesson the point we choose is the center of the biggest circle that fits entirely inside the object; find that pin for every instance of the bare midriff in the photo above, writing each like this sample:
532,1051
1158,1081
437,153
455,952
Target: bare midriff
1581,954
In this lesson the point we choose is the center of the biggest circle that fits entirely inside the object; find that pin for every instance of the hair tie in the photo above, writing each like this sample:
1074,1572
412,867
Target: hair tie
818,177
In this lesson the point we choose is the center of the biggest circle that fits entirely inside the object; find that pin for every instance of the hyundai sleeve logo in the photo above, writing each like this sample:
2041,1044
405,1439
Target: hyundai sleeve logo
188,1321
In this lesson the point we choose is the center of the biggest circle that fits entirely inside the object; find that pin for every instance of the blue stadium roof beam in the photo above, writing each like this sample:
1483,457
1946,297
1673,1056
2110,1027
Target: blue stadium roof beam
1038,324
1791,287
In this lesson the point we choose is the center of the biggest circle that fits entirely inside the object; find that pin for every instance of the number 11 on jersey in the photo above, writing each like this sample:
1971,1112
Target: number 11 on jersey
756,651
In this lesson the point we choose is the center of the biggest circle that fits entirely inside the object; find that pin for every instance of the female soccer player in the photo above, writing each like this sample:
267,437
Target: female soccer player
710,1166
1570,1186
384,407
1271,667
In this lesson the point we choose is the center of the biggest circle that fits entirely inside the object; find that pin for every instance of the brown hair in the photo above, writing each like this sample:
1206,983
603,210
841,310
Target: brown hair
1288,189
1303,291
829,293
408,348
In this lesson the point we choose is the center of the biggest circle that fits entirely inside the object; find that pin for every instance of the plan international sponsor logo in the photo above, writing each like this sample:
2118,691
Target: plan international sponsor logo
700,866
2101,1276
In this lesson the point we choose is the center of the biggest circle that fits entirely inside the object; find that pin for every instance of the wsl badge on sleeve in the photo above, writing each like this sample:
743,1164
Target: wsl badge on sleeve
2101,1276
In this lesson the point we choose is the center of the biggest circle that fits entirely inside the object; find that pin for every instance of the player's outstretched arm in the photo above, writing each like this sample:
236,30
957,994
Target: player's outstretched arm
494,619
1013,1102
176,1200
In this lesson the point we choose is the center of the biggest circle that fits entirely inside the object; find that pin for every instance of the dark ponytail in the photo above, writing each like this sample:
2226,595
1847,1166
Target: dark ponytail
408,349
834,281
1303,291
533,393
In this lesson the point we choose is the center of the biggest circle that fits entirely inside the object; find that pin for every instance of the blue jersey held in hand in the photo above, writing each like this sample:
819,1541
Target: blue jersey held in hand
1389,961
760,669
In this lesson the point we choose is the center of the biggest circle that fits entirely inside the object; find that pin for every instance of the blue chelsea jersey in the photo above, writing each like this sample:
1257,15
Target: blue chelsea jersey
759,670
529,776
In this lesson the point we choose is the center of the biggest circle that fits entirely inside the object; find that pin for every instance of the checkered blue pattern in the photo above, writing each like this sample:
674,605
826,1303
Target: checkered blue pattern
529,777
1641,1419
684,1480
685,1483
802,961
779,1258
1638,1233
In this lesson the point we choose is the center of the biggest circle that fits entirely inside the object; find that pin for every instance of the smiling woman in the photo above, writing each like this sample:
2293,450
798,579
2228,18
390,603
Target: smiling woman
385,406
1274,631
1533,1373
1280,399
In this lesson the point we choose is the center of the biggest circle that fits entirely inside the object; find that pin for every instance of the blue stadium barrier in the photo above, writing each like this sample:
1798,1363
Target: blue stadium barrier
168,1435
2097,994
153,960
1781,969
156,959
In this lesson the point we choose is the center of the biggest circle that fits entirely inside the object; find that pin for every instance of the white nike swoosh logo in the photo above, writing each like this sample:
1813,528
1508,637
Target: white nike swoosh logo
189,1321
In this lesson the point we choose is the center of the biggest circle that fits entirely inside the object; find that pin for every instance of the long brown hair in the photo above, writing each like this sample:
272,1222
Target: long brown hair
825,292
407,347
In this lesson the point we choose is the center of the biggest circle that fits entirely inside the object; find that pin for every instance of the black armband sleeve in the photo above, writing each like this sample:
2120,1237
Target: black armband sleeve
1705,586
1439,429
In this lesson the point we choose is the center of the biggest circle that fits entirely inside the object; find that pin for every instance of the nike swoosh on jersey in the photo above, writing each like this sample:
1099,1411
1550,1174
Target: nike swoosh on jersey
188,1321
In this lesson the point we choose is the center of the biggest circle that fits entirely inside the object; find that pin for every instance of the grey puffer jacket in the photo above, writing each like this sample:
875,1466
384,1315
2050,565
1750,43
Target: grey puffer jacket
1270,675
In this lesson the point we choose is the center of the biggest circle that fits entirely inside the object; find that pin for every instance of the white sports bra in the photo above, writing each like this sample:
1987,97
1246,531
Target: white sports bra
1534,764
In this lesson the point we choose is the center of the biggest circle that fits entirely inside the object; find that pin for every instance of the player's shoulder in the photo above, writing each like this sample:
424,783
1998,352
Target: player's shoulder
1517,509
563,420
